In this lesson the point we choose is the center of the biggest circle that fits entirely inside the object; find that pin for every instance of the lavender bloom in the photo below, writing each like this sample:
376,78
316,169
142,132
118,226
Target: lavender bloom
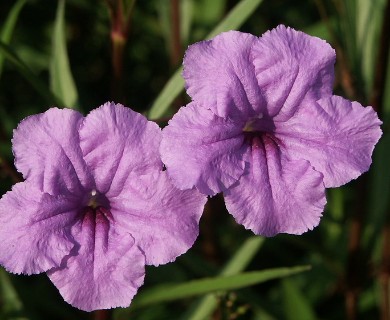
265,129
96,205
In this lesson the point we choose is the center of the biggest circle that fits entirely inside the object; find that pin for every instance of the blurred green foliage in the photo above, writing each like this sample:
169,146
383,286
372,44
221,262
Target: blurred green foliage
59,53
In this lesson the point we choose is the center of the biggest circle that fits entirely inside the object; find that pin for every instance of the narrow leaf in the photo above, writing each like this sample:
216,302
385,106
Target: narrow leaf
23,69
186,17
10,302
175,84
170,91
170,292
243,256
236,17
379,201
369,16
9,26
61,80
164,15
296,305
206,305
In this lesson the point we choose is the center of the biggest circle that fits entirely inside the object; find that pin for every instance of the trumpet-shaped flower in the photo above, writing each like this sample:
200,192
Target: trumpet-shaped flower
265,129
96,205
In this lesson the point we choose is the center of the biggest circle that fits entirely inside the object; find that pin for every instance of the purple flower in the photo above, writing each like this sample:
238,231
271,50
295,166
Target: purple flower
96,205
265,129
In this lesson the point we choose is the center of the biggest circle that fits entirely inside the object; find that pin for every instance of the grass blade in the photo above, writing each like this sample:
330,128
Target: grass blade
9,26
34,80
296,305
9,299
236,17
170,292
205,306
175,84
61,80
170,91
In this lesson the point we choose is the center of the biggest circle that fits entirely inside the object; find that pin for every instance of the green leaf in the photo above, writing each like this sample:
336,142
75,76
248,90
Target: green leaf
128,6
369,17
209,12
175,85
23,69
205,306
170,292
61,80
296,305
243,256
320,29
186,17
379,200
9,26
165,20
10,302
236,17
170,91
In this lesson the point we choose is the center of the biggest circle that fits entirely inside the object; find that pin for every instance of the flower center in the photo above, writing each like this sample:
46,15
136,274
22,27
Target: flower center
259,131
256,127
253,124
96,218
93,201
98,206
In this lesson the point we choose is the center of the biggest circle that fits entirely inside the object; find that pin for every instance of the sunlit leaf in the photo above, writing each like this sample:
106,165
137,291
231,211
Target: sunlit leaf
369,17
243,256
236,17
170,292
61,80
186,16
205,306
170,91
236,264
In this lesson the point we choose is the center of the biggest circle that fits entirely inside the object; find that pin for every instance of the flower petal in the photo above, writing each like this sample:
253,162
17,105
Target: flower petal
107,270
163,220
277,195
335,135
220,76
47,152
203,150
34,229
116,141
292,67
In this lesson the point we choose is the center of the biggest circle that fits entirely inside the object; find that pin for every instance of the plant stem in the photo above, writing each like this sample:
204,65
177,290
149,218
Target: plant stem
120,16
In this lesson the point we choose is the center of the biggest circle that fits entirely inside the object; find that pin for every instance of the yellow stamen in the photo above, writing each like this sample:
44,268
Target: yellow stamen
93,201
